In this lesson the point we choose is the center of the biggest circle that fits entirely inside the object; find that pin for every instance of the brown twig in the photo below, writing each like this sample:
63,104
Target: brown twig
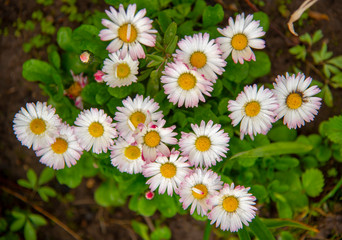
42,211
252,6
149,223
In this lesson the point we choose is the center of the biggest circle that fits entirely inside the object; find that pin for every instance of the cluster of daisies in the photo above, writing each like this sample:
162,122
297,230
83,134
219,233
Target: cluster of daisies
137,138
139,142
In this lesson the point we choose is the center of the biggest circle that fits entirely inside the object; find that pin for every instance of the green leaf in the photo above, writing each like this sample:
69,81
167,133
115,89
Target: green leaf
161,233
55,59
259,191
64,40
279,223
102,96
46,192
313,182
236,72
306,38
32,177
332,129
29,231
172,45
328,97
141,229
299,51
170,33
218,87
197,10
24,183
3,225
323,153
36,70
153,84
273,149
284,163
263,18
282,133
318,35
212,15
243,234
71,177
337,61
37,220
260,230
166,205
108,195
147,207
283,207
260,67
46,175
164,20
18,224
222,107
337,78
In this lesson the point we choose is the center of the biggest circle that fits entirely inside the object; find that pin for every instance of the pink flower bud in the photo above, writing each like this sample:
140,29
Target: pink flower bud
149,195
85,57
98,76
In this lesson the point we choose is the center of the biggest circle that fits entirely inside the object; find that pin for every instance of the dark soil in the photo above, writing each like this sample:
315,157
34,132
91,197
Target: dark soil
82,215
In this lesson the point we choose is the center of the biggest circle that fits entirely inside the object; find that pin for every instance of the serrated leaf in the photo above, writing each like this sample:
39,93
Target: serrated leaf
337,61
29,231
37,220
313,182
46,175
141,229
332,129
212,15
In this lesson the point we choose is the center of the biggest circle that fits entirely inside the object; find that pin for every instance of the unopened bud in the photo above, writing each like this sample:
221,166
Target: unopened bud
149,195
86,57
98,76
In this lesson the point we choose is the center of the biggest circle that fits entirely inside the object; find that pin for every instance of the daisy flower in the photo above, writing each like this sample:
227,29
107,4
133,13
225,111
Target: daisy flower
64,150
128,31
94,129
127,156
255,109
206,145
197,187
184,85
296,102
202,54
153,138
240,37
37,125
166,172
139,110
232,207
119,72
74,91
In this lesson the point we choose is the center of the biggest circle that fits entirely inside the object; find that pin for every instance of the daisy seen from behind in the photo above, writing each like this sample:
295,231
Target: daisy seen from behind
166,172
128,31
232,207
119,72
184,86
127,157
201,53
239,37
196,189
75,89
255,109
135,111
36,125
206,145
295,98
95,130
154,138
64,150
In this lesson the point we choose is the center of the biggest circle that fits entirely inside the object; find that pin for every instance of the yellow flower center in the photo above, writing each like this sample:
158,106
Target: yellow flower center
199,191
187,81
127,33
294,101
230,204
152,139
132,152
202,143
198,59
239,41
37,126
75,89
60,146
96,129
252,109
137,117
122,70
168,170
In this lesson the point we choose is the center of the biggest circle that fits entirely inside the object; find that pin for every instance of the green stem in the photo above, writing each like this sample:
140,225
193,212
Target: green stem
243,234
207,231
331,193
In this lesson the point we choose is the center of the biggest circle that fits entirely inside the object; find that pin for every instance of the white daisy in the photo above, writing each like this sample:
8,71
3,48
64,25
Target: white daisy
255,109
65,149
153,138
127,156
184,85
139,110
202,54
197,187
128,31
119,72
240,37
296,102
206,145
166,172
37,125
232,207
94,129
